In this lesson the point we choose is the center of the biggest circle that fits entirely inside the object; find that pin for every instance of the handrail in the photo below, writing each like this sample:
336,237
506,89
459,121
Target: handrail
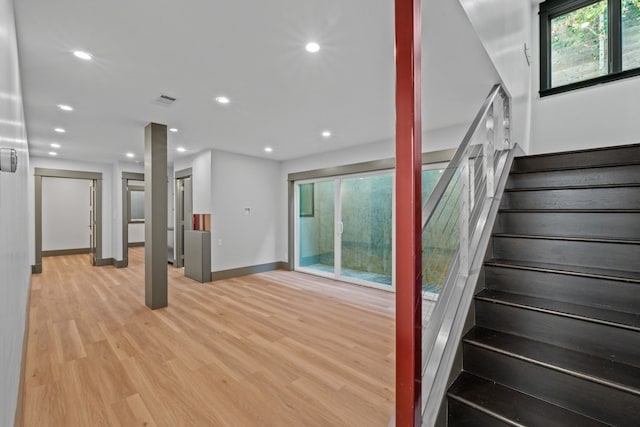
435,197
466,200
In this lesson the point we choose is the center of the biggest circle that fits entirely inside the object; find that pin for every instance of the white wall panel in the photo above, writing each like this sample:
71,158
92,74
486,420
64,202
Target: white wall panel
136,233
504,27
240,238
14,231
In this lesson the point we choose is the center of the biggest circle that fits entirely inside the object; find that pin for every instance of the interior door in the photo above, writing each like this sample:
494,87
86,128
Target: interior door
184,202
92,222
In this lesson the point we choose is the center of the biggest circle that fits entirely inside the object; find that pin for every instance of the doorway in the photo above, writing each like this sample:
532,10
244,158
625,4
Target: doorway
95,212
131,181
183,212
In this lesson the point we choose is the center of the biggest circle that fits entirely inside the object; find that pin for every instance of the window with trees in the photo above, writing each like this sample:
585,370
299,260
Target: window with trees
587,42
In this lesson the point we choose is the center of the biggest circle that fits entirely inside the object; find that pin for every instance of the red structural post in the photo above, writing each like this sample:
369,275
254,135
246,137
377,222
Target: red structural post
408,213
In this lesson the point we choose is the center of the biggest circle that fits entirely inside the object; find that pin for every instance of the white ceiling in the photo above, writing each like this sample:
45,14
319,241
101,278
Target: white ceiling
251,51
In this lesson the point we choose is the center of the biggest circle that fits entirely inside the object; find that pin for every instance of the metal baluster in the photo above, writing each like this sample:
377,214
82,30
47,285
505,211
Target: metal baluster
488,152
465,212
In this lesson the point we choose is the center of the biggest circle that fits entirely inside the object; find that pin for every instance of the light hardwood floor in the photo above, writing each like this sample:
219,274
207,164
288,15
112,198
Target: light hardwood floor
272,349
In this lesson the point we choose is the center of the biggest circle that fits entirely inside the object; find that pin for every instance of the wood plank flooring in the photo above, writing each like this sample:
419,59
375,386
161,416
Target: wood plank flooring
272,349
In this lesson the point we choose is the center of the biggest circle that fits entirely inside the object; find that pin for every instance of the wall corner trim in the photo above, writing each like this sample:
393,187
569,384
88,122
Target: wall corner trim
101,262
36,269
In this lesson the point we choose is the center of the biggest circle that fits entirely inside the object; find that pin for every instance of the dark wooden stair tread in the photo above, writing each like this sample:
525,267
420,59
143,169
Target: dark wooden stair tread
583,312
504,403
569,238
628,276
586,366
572,187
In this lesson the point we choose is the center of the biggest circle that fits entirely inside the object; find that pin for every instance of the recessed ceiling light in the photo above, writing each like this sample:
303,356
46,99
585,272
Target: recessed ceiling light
53,153
65,107
60,130
268,149
181,149
55,145
312,47
326,133
130,155
83,55
222,100
173,129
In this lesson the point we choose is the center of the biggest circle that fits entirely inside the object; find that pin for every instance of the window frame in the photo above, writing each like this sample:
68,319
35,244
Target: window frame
553,8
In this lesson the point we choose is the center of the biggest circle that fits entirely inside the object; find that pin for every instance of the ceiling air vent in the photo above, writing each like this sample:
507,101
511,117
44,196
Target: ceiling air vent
165,100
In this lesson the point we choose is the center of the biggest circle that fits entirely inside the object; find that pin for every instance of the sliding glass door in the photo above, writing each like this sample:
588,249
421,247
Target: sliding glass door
344,228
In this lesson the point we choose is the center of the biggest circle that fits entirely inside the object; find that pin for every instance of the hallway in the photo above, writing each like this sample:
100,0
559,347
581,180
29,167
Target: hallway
277,348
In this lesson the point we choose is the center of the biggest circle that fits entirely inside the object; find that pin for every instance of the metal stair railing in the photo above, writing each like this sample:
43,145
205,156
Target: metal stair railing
454,239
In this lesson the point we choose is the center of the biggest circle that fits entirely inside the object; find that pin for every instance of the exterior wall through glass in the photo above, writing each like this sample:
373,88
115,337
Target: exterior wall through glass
344,226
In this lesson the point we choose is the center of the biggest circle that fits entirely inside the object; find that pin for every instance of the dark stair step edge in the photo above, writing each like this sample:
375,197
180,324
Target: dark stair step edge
573,270
570,211
598,315
510,406
568,238
567,164
573,187
582,365
579,167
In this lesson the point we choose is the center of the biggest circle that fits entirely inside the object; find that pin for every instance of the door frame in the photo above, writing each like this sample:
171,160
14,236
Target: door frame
439,156
178,261
126,177
96,177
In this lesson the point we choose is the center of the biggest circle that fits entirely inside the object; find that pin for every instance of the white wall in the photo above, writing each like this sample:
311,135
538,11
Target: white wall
223,185
109,215
14,193
504,26
238,182
597,116
200,165
136,233
65,213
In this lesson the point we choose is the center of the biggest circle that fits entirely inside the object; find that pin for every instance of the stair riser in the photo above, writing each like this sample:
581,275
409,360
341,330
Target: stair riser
580,395
612,294
602,340
570,224
615,155
593,176
583,198
616,256
461,415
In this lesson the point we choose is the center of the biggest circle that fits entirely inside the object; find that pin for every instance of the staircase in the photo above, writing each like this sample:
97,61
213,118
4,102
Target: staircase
556,340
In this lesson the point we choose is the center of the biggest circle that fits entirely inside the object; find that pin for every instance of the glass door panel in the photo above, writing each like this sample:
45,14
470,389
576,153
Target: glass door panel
366,230
316,230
